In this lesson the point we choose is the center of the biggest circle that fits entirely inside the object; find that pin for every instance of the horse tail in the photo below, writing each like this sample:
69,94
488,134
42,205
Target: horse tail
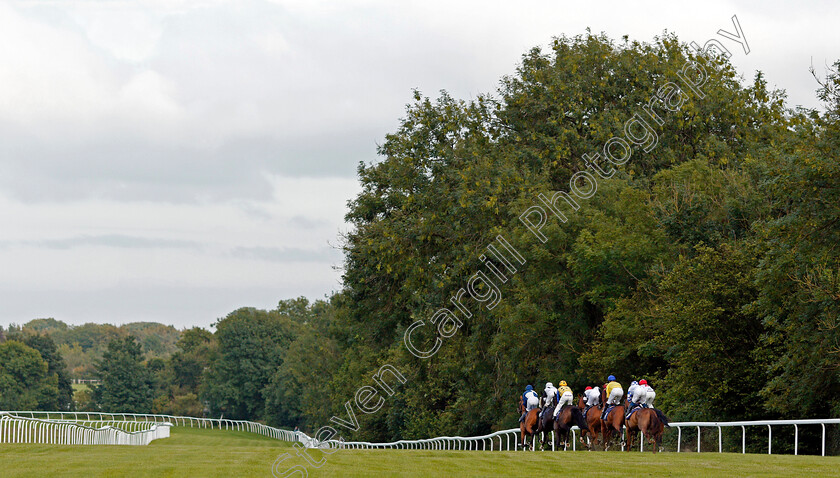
579,418
653,420
662,418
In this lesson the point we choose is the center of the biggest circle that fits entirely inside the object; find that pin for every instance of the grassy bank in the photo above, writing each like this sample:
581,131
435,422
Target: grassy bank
207,453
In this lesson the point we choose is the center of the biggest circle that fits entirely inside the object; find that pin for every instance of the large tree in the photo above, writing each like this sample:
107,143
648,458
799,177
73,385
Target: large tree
799,274
25,381
455,174
251,346
55,366
127,384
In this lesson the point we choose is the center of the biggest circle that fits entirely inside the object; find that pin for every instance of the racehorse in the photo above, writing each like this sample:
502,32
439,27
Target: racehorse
546,423
593,421
649,421
569,416
530,425
613,423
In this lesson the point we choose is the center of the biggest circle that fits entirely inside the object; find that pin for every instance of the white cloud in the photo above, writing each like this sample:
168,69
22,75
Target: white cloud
55,83
146,99
47,73
127,32
94,245
180,158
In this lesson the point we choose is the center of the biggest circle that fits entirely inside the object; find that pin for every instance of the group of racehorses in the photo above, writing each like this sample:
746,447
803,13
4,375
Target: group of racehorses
593,429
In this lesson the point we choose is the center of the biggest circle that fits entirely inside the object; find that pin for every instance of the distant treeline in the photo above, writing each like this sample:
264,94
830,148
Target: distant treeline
82,345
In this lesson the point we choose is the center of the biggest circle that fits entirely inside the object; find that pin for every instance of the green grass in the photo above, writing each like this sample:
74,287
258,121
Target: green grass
198,453
188,452
78,387
360,463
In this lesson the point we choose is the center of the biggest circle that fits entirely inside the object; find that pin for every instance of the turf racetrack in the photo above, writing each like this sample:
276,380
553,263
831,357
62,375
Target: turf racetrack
191,452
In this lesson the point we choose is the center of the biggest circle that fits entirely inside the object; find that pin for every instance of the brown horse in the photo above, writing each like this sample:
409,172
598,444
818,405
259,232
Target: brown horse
530,426
569,416
649,421
593,421
613,423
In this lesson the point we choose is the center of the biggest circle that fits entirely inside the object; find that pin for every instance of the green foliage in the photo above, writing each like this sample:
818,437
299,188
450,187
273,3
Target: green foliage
252,344
25,381
710,336
456,173
799,276
127,385
55,366
298,391
196,348
81,346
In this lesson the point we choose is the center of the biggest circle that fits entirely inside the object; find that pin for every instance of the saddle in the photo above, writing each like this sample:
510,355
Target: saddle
632,411
561,410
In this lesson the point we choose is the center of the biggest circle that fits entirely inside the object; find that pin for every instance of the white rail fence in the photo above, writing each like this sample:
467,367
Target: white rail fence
504,440
16,429
194,422
507,440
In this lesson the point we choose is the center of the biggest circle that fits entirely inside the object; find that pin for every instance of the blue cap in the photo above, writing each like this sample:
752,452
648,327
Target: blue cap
529,387
611,378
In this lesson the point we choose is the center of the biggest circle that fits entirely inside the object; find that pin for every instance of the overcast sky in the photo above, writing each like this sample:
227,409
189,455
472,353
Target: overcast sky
172,161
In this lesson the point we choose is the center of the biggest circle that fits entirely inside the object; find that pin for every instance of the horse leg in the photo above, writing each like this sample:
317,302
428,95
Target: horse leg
656,441
622,436
605,436
597,436
546,436
590,435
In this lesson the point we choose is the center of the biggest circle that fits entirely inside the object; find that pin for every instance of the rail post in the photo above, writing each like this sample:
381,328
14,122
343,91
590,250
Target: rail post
823,439
698,439
679,438
769,440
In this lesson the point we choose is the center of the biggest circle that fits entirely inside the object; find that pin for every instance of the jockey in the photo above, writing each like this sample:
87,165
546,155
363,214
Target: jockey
551,395
530,401
614,394
649,394
592,396
637,397
566,397
631,390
